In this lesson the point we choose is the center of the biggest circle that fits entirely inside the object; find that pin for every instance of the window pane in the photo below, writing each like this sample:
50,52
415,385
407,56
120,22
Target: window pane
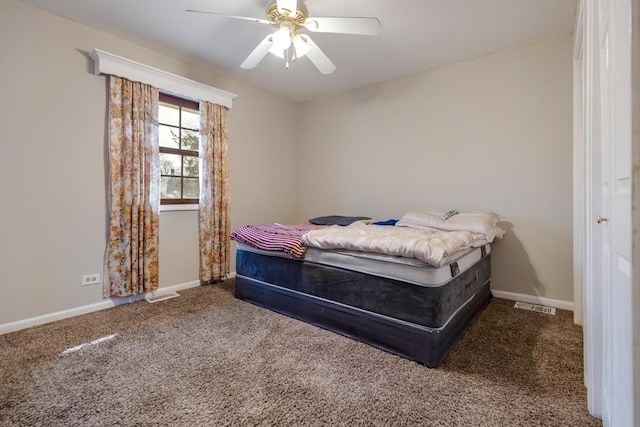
190,140
190,119
191,166
168,137
170,164
168,115
191,188
169,187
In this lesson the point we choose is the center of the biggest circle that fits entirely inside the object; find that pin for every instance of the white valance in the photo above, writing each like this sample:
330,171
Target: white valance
108,63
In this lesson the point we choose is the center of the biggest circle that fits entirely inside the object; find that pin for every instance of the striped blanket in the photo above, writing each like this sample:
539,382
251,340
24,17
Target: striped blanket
275,237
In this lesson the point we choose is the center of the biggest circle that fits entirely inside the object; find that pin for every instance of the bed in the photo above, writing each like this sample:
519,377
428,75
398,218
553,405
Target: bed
402,304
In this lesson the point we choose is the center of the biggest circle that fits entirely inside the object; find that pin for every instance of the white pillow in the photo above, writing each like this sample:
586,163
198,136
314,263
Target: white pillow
474,222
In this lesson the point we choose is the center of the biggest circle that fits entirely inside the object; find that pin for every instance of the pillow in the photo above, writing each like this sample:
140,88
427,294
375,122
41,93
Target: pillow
475,222
336,220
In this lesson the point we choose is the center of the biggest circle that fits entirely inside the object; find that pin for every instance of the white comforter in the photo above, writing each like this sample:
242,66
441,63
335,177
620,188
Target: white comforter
432,246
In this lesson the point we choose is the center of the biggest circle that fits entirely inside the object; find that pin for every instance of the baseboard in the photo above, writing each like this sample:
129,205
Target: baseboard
533,299
108,303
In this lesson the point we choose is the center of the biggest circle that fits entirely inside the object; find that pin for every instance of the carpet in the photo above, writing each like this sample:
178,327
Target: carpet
208,359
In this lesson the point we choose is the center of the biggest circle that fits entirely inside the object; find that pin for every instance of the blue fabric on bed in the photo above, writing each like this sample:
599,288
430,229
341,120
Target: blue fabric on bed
387,222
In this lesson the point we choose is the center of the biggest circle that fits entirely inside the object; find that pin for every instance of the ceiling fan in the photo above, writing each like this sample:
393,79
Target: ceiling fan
291,16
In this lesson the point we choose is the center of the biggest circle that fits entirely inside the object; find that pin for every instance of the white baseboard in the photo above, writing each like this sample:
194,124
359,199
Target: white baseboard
533,299
108,303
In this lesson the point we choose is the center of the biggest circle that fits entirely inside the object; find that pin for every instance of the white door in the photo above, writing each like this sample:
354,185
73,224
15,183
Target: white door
613,239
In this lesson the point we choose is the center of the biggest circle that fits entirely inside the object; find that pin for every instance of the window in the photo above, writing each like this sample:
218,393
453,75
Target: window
179,138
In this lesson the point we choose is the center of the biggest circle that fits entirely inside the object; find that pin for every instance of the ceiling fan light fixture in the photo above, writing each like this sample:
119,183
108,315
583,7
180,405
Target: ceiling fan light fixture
301,46
282,38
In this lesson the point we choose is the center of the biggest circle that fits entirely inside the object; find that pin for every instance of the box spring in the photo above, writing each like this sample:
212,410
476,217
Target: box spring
421,323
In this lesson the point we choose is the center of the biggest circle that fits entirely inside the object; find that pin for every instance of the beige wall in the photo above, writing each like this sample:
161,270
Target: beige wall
52,145
493,133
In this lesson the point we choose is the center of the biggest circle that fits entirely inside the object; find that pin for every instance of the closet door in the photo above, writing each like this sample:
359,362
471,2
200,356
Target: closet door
611,368
612,233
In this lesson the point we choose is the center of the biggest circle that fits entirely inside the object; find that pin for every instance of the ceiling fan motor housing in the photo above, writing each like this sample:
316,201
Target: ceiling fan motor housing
294,21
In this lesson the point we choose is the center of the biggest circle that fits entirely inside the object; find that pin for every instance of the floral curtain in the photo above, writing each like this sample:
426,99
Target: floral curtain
214,227
131,260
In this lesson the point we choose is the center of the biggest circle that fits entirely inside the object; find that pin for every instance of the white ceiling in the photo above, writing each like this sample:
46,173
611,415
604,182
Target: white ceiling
416,35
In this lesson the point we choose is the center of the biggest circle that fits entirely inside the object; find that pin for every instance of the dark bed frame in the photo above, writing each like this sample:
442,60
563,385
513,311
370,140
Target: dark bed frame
416,322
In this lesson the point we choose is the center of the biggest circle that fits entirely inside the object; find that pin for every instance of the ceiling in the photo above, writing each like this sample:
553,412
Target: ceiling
416,35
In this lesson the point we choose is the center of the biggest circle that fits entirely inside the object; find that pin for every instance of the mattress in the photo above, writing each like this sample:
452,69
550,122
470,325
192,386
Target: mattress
425,304
407,269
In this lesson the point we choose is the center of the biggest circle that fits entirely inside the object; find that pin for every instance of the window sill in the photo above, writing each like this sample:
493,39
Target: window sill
167,208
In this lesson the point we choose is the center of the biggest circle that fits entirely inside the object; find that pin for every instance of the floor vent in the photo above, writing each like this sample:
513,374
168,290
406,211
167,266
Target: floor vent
162,297
535,307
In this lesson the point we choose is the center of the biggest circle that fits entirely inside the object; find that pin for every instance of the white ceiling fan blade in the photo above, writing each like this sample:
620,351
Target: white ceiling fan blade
246,18
363,26
290,5
258,53
317,56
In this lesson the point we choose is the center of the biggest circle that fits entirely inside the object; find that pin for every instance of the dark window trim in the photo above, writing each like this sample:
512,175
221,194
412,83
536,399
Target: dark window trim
179,201
179,151
185,103
192,105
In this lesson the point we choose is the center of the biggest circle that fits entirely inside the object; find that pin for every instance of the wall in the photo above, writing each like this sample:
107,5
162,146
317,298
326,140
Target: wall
52,163
493,133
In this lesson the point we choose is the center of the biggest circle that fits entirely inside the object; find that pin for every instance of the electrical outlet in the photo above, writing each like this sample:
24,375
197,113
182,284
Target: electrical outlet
91,279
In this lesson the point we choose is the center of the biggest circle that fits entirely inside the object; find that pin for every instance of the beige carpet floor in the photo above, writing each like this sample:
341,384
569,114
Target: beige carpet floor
208,359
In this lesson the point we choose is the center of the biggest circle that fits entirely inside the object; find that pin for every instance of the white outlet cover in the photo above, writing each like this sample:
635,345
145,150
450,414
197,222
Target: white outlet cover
90,279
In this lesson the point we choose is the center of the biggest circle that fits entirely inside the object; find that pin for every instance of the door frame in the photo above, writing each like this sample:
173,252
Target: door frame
635,197
586,94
